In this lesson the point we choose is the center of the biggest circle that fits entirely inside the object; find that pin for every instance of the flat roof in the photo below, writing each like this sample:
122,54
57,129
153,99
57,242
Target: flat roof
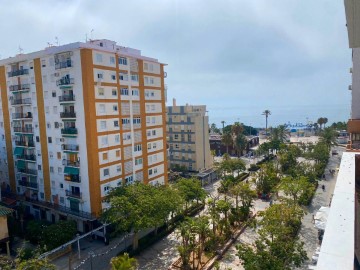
337,248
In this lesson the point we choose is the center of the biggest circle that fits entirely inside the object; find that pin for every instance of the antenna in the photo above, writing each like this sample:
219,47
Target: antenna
57,41
20,50
85,37
91,34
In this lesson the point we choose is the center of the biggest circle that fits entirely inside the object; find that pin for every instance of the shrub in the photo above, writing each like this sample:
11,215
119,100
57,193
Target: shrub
34,230
57,234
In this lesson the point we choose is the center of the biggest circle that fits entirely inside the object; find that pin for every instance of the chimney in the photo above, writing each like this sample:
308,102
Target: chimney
174,102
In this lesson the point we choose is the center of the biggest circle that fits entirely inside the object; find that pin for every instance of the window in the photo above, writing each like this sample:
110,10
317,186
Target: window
100,91
153,107
154,132
176,136
59,170
117,138
56,125
136,120
137,148
155,170
104,140
129,179
102,108
153,120
146,80
116,123
113,77
47,110
152,93
150,172
106,172
114,92
53,93
123,76
115,108
138,161
48,125
151,80
124,91
118,168
62,200
49,139
146,66
154,145
106,188
43,63
100,75
39,167
125,121
103,124
112,60
99,58
149,146
147,119
122,61
134,77
51,154
105,156
51,169
135,92
58,155
117,153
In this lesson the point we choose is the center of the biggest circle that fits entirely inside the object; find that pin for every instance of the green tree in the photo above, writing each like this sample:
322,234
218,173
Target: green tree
237,129
266,113
328,136
266,178
190,190
295,188
224,207
57,234
227,140
123,262
240,144
279,134
187,245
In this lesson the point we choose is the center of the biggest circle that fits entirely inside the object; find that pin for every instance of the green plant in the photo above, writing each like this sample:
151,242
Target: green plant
57,234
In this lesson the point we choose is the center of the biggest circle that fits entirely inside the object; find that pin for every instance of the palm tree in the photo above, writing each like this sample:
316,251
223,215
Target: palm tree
227,140
321,121
325,120
328,136
123,262
237,129
240,143
223,123
266,113
279,134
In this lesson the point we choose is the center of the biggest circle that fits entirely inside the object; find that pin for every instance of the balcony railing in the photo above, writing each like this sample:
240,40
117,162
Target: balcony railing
23,129
70,147
64,98
73,194
26,101
28,184
67,115
19,87
22,115
27,157
64,64
25,143
69,131
65,81
27,171
72,178
72,163
18,72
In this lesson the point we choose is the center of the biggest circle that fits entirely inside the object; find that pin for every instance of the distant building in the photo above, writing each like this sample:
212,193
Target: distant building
188,137
220,148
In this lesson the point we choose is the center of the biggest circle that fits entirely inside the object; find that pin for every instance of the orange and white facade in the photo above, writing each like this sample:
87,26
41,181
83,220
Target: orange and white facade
76,120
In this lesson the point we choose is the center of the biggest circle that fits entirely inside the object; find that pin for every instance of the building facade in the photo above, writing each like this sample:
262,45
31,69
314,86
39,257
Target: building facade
188,137
77,120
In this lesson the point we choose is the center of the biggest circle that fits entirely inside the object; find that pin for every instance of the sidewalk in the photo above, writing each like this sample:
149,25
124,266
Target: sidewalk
308,233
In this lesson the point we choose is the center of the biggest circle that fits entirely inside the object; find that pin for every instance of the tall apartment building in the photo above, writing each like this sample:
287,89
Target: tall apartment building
188,137
340,248
76,120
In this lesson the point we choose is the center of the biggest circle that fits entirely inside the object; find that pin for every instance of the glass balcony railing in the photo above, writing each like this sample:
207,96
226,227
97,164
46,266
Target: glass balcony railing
28,184
25,143
69,131
70,147
27,115
67,115
27,171
27,157
65,98
23,129
65,81
19,87
25,101
72,163
73,194
72,178
18,72
64,64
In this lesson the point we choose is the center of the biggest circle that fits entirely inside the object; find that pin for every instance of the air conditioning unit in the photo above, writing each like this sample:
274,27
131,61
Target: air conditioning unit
165,74
62,140
351,70
350,87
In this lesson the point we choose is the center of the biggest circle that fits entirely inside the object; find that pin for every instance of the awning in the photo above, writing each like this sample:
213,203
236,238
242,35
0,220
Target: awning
18,151
21,164
71,170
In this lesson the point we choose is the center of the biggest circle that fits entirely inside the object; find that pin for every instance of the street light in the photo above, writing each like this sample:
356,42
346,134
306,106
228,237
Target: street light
91,254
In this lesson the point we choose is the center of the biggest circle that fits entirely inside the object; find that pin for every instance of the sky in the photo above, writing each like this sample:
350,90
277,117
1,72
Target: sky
238,57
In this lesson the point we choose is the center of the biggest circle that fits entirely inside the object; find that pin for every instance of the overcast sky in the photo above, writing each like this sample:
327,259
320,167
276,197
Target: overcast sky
237,57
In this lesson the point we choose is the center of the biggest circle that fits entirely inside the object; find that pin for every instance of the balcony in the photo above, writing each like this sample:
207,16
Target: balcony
70,147
25,143
19,87
27,171
28,184
26,101
71,163
67,115
72,178
69,131
353,126
65,81
23,130
27,115
18,72
27,157
64,64
66,98
70,193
